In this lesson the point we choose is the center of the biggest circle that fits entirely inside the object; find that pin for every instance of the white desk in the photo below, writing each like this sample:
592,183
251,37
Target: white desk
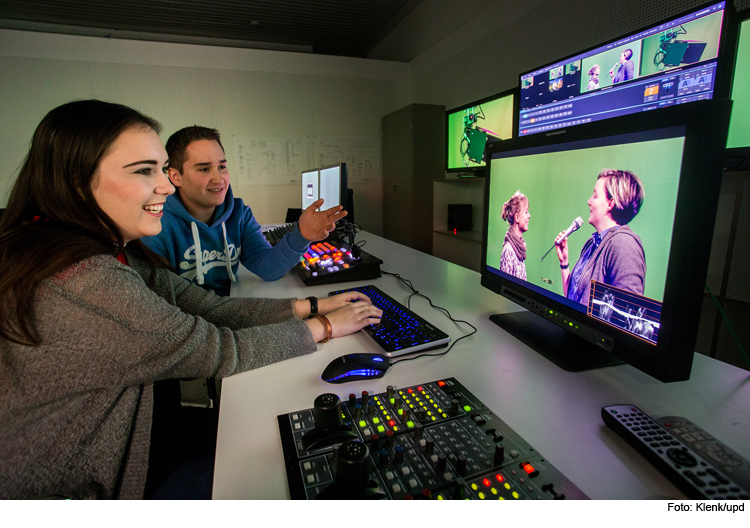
557,412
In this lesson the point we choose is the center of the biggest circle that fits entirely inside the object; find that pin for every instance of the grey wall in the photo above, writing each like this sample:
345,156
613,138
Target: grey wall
239,91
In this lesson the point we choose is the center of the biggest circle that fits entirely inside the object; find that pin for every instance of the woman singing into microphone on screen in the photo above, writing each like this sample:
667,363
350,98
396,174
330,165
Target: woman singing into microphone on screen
614,254
513,257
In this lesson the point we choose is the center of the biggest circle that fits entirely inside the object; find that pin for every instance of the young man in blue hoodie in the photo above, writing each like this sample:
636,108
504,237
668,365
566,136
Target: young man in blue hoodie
204,218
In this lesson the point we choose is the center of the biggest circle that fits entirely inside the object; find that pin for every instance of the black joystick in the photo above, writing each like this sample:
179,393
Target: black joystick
327,411
329,427
353,470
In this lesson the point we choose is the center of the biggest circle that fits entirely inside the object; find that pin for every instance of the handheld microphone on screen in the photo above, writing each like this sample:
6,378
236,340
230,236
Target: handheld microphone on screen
575,226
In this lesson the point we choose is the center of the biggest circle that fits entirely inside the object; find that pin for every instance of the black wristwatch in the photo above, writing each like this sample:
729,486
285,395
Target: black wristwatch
313,305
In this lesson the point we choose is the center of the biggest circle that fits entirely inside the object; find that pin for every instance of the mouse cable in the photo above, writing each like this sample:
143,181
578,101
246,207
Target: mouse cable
409,285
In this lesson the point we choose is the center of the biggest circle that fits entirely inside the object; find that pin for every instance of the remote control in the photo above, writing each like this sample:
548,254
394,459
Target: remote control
716,453
686,469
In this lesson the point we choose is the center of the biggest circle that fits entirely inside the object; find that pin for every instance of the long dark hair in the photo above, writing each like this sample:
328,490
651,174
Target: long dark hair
52,219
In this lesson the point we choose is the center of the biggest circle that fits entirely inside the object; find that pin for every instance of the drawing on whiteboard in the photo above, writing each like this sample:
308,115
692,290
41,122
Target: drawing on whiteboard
270,161
361,155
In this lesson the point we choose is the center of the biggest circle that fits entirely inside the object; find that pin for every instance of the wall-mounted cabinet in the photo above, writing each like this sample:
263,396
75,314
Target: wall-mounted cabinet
413,156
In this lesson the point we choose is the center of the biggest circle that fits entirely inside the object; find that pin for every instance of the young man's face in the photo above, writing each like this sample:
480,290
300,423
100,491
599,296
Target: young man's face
204,180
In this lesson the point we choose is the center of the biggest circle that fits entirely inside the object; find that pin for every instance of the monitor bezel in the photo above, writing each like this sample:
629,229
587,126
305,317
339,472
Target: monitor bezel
736,20
302,174
723,72
343,181
706,124
478,171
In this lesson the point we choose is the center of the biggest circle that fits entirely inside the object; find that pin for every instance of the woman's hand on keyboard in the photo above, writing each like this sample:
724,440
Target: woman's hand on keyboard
352,316
329,304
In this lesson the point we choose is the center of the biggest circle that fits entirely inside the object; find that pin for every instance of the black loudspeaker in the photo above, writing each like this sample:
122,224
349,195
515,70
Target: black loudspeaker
459,217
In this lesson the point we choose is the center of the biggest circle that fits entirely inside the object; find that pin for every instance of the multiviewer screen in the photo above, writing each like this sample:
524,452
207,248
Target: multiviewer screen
668,64
739,126
617,260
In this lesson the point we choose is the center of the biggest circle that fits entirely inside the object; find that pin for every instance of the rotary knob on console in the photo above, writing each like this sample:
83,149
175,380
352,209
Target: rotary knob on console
371,409
384,460
429,446
499,454
357,412
352,400
454,408
418,430
461,465
442,462
365,397
397,402
421,415
389,391
460,488
353,466
390,438
399,458
327,411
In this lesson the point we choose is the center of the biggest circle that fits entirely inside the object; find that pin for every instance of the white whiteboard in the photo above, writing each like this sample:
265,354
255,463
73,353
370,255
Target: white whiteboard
281,161
361,155
270,161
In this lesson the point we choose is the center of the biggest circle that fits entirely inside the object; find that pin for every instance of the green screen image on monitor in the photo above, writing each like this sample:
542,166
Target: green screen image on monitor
685,44
559,186
739,124
469,127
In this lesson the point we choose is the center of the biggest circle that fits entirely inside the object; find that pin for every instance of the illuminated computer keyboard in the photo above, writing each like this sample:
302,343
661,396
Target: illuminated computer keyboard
400,330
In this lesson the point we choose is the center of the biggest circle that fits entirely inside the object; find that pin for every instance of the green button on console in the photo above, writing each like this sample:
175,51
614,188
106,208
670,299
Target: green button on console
467,408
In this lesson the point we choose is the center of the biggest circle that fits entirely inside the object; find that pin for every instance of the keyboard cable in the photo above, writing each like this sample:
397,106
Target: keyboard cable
409,285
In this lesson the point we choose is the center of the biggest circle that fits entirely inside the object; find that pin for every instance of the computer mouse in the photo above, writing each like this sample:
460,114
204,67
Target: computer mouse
356,367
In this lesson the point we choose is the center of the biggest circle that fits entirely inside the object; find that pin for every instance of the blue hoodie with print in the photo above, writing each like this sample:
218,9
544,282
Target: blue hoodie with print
234,236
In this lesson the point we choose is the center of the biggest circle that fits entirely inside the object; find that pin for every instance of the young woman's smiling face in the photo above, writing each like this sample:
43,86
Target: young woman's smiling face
131,185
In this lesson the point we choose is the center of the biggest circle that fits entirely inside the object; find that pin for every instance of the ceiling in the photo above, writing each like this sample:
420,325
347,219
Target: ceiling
330,27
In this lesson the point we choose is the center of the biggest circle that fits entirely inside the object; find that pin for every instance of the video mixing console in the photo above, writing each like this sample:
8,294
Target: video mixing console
334,261
429,441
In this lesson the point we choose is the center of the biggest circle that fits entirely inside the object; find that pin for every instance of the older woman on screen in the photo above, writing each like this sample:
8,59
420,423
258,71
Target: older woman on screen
614,254
513,257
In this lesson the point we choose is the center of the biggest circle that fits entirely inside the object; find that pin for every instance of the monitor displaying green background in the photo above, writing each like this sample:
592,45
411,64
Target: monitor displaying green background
558,185
658,52
739,124
468,127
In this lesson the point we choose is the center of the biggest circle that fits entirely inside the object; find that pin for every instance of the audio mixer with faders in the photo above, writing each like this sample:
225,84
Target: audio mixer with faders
429,441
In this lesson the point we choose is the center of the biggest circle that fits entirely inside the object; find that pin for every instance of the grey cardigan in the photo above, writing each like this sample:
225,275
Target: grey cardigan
75,412
619,261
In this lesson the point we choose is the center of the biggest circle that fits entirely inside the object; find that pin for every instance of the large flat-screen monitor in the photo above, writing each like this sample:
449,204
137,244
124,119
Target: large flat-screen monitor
310,191
738,140
469,126
674,62
333,185
629,284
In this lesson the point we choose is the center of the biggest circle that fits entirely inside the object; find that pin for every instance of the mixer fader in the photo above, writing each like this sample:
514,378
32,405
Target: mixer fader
430,441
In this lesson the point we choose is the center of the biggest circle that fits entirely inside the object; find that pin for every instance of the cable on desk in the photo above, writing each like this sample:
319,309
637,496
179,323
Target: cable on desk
409,285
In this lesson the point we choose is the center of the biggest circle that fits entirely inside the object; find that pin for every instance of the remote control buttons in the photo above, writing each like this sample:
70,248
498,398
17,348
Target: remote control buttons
682,457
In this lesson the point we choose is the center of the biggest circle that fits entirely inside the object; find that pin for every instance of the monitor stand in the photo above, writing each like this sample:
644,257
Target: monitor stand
566,350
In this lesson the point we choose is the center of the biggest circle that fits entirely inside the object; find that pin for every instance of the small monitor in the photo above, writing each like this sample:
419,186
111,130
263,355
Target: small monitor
674,62
333,185
468,128
738,140
638,199
310,192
